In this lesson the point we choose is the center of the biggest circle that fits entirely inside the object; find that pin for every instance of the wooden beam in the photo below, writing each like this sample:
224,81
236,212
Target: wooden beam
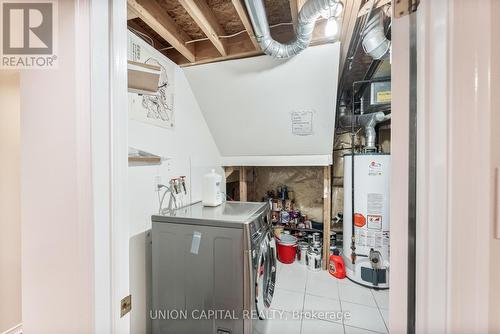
295,7
206,20
349,19
238,47
241,47
155,17
243,185
242,13
327,205
131,14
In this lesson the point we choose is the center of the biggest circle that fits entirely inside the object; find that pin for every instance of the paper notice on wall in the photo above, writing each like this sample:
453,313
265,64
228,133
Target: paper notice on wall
302,123
154,109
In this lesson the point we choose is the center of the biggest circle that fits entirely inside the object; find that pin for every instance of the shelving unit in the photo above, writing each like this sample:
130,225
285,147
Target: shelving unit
142,78
142,158
244,175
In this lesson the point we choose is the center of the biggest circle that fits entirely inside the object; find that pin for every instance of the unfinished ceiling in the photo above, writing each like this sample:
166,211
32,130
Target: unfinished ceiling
193,32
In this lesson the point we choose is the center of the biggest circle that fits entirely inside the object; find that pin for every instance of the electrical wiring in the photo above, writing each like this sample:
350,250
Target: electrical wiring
143,35
205,38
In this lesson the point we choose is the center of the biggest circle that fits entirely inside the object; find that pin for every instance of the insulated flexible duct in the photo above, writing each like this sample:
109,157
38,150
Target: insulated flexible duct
311,10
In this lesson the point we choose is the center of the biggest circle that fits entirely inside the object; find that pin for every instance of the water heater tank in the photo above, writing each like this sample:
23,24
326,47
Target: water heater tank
371,218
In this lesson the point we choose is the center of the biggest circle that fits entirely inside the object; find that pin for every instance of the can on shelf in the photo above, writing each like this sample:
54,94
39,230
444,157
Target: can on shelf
302,252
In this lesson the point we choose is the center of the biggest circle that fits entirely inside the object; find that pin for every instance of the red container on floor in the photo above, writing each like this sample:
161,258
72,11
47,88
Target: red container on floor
287,249
336,266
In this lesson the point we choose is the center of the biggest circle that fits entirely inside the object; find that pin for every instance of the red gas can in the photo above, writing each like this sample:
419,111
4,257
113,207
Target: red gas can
336,265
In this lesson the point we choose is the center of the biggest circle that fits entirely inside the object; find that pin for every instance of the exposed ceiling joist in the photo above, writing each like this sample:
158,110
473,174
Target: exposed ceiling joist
172,23
349,19
153,15
295,7
241,47
242,13
204,17
238,47
131,14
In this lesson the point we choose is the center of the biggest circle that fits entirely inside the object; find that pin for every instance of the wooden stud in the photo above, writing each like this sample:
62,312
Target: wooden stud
242,13
295,7
243,184
327,203
251,196
155,17
206,20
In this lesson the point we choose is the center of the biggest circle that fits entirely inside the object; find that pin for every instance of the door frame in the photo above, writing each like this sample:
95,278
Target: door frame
454,204
109,119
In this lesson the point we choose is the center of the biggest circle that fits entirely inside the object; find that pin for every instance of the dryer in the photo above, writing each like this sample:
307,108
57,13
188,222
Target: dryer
214,269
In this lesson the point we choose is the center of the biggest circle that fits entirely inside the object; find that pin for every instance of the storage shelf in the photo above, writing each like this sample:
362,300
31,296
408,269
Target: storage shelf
142,158
303,229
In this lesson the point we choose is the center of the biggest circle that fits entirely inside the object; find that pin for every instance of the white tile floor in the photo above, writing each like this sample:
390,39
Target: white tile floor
300,290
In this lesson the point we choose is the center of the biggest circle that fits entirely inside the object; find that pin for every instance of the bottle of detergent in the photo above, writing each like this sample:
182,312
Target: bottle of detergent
210,190
336,265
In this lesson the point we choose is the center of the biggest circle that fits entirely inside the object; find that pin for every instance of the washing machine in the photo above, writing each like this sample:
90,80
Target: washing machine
214,269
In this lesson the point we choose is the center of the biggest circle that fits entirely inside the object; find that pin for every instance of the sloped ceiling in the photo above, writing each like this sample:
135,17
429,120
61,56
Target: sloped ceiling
248,103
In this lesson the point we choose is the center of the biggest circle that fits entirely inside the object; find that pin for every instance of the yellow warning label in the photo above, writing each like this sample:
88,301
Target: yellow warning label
384,96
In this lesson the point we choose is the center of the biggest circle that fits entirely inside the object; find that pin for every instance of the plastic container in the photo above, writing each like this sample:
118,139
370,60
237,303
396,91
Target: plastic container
287,248
313,259
211,194
336,266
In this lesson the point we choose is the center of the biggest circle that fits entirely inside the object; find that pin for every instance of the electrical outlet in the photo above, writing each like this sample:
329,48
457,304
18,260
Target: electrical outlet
157,181
125,305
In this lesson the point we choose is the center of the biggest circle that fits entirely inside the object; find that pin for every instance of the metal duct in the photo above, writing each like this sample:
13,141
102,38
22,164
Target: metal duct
366,121
374,42
311,10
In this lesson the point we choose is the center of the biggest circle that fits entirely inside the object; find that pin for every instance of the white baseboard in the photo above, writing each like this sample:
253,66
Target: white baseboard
18,329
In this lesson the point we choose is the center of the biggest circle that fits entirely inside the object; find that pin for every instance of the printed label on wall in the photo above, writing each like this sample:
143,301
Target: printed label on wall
302,123
156,109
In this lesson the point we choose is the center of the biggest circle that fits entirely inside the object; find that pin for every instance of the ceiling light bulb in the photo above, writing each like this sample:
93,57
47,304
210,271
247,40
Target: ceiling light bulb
331,27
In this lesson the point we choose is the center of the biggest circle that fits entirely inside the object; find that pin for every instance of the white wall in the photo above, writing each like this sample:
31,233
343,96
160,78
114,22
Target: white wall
56,209
247,104
192,152
10,210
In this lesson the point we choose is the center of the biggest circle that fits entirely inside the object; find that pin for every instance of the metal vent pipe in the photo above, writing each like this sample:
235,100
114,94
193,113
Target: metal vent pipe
366,121
311,10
